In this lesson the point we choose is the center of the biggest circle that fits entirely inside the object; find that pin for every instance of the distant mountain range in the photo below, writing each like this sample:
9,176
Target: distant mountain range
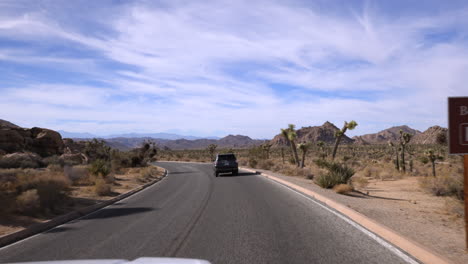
66,134
325,133
231,141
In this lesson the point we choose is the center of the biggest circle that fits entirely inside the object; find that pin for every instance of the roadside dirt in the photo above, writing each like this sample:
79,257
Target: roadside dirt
79,197
402,206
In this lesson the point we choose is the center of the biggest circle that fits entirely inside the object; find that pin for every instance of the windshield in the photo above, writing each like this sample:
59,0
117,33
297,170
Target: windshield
233,131
227,157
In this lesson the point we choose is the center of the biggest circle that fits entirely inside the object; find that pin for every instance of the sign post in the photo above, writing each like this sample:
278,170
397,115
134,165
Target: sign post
458,141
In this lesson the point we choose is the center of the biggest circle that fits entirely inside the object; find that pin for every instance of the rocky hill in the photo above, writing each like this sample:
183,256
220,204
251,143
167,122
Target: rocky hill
430,135
382,137
325,133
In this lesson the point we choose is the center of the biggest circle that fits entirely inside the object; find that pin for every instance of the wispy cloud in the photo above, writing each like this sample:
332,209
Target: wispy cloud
234,66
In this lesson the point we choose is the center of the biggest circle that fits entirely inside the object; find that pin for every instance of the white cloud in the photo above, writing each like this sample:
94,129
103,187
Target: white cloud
208,67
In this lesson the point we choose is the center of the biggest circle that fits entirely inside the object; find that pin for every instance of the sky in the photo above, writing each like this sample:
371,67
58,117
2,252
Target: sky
212,68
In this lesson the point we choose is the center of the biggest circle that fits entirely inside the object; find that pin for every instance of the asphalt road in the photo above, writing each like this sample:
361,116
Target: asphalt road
190,213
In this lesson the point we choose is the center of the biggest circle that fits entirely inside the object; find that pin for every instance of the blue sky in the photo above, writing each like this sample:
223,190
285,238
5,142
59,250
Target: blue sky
212,68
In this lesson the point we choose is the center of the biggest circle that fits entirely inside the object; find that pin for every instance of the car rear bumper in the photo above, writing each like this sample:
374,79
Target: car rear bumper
226,169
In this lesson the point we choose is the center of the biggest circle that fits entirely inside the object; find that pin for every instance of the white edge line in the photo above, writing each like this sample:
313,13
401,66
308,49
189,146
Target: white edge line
94,212
375,237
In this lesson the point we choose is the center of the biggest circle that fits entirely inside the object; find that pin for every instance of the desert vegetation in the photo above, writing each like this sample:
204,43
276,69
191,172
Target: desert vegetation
43,187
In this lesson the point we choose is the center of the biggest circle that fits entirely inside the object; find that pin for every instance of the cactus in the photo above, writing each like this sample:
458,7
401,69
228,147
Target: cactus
404,139
304,147
290,135
340,133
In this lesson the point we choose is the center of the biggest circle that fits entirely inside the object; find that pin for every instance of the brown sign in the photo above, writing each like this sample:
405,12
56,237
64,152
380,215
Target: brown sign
458,125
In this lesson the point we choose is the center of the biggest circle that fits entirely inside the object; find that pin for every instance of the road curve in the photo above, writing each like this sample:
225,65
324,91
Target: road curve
190,213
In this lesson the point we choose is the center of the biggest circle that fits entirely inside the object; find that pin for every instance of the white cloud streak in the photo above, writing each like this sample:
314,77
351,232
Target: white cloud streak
210,67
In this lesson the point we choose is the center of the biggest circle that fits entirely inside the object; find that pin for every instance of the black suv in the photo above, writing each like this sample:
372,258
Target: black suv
225,163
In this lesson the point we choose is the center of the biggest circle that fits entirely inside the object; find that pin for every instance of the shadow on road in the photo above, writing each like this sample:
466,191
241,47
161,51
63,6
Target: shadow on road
59,229
237,175
361,195
116,212
181,172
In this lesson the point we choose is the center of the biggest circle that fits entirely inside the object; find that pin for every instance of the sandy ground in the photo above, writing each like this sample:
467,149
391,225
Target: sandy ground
402,206
81,196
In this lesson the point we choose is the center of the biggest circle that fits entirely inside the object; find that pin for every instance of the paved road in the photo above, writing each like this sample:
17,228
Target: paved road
241,219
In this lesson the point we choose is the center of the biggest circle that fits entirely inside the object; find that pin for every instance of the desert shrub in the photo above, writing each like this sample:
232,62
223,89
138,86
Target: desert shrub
242,161
148,174
100,168
119,160
253,163
52,191
28,202
265,164
78,175
101,188
361,182
292,170
51,187
309,176
336,174
136,160
54,167
424,159
444,185
21,160
52,160
343,188
277,167
97,150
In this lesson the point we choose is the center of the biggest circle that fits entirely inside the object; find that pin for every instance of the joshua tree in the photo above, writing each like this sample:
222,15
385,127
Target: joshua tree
410,151
430,154
266,148
290,135
211,149
304,147
340,133
395,150
404,139
321,146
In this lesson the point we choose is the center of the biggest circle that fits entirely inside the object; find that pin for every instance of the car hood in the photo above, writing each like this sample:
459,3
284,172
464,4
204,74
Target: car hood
123,261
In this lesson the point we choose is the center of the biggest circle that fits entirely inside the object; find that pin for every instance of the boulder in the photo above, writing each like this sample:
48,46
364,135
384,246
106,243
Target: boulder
21,160
46,142
11,140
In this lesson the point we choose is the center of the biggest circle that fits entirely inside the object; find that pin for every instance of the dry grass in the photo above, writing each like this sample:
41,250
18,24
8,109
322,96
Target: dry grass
78,175
28,202
18,186
343,188
102,188
450,184
360,182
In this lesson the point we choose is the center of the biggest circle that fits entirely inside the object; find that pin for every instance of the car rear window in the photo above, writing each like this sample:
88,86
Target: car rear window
227,157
